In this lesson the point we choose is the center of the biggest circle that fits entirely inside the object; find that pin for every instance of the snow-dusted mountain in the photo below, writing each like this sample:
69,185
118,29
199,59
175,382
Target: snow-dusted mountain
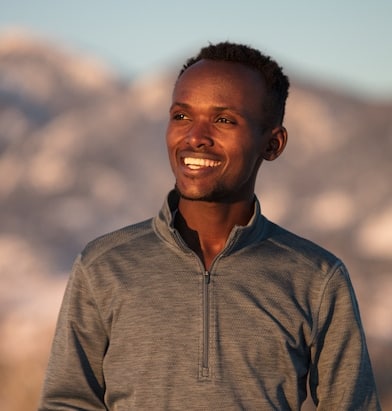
82,152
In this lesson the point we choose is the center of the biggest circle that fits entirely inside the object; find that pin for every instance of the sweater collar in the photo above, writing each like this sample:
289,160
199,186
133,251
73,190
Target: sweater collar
240,236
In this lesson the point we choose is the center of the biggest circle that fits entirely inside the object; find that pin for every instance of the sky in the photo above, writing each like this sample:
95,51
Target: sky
343,43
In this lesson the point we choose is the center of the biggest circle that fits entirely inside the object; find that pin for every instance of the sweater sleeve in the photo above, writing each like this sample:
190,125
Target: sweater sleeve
341,377
74,378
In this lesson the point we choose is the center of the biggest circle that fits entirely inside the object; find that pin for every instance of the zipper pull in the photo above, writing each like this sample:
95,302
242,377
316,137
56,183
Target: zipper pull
207,277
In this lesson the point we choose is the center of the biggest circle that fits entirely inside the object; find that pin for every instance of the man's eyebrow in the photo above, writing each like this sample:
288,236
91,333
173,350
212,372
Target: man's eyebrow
179,104
226,108
217,109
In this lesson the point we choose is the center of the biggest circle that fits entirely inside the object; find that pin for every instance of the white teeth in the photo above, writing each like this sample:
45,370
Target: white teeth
195,163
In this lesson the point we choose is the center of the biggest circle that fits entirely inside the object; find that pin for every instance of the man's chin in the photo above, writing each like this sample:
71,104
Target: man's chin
216,196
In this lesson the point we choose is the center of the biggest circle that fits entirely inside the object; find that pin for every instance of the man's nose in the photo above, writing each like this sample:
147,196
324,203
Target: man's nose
199,135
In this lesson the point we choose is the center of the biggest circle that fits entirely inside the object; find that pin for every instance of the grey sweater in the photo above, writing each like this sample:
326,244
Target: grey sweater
143,326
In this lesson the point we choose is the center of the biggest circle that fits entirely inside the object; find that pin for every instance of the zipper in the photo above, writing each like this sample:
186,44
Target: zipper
205,368
206,324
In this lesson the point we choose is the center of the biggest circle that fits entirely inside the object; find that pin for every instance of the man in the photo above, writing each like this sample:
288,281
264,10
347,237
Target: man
210,306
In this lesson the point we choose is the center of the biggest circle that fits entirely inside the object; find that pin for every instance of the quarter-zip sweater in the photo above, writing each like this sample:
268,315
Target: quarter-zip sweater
143,325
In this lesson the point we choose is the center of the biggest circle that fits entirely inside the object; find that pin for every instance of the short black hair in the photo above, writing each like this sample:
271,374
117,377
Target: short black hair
276,82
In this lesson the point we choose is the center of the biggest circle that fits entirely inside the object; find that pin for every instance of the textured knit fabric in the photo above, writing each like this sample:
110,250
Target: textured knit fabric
143,326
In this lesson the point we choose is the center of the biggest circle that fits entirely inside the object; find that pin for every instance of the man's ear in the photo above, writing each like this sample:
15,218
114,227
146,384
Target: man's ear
276,143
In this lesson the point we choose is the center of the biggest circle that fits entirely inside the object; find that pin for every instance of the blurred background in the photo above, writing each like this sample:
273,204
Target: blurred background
84,95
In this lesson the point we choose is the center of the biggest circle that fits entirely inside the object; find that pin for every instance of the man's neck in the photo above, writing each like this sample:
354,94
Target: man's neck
205,226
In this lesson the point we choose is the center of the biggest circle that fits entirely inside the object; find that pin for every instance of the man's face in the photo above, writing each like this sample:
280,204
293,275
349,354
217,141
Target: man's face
215,133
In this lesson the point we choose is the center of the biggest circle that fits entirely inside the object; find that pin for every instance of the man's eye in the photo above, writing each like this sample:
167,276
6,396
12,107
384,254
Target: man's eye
179,116
225,120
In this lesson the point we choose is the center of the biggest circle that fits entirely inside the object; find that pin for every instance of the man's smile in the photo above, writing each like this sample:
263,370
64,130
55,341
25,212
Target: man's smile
197,163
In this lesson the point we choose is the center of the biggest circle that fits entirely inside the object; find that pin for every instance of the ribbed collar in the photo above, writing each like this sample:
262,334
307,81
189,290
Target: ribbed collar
240,236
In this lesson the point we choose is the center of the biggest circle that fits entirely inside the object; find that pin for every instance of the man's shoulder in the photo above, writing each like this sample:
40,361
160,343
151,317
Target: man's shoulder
128,235
301,249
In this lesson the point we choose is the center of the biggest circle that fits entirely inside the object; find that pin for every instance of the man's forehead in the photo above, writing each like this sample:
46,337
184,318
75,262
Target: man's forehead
211,86
220,73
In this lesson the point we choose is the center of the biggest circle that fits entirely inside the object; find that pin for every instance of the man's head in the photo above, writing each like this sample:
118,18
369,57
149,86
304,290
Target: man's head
276,82
224,121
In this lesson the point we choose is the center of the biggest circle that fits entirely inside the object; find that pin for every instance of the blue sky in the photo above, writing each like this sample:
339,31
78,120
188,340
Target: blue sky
347,43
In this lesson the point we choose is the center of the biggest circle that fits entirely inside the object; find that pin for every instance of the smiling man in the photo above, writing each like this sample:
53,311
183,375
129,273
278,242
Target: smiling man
217,138
209,305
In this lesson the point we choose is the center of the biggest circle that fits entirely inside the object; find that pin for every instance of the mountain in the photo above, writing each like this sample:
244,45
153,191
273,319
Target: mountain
82,152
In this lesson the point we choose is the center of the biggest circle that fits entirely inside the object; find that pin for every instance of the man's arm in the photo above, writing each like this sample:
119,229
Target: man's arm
341,376
74,378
